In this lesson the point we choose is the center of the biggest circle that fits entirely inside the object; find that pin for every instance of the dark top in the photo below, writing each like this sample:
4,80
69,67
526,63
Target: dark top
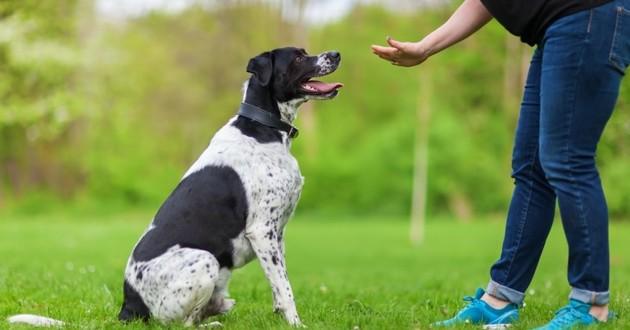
529,19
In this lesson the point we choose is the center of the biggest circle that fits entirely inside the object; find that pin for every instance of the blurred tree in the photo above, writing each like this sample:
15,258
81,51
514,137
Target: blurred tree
38,59
421,159
308,120
111,112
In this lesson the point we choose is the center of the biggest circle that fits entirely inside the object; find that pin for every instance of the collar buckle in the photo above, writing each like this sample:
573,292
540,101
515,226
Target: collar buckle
267,118
293,132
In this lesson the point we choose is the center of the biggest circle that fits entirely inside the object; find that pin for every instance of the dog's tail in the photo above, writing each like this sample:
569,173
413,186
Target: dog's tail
35,320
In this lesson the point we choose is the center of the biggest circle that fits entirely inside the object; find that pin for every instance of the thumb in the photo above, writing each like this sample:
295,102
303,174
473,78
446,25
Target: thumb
396,44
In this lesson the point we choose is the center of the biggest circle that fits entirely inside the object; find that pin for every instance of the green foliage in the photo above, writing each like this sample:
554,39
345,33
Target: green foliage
104,113
37,62
38,98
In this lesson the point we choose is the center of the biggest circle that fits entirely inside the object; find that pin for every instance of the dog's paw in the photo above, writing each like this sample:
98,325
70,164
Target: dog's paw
294,321
291,315
298,324
227,306
219,306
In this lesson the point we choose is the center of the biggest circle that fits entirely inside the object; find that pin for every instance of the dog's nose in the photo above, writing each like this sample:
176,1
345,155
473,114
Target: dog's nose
334,54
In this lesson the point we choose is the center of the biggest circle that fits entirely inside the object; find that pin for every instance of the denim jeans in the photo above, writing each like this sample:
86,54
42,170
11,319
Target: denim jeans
571,90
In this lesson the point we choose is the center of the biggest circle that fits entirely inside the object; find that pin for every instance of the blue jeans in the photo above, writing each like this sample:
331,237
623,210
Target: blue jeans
571,90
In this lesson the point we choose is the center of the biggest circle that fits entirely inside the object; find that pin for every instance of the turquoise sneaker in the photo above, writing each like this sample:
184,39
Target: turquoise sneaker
479,312
575,314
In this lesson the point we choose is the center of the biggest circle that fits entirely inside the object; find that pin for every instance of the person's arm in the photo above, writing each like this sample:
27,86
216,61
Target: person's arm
466,20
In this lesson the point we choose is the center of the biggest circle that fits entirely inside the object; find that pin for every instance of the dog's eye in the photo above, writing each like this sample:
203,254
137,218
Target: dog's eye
300,59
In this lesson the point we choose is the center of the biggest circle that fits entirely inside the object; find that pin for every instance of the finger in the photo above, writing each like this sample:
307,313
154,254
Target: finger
402,65
387,58
396,44
377,47
384,50
391,57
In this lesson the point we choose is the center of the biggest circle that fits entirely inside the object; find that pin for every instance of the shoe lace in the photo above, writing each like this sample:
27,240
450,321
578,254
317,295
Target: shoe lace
566,316
472,303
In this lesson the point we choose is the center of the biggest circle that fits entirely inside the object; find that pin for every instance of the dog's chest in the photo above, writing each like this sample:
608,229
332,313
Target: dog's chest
274,185
273,190
269,173
271,179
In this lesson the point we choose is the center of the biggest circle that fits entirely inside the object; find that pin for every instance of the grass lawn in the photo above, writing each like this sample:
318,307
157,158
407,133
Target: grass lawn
347,273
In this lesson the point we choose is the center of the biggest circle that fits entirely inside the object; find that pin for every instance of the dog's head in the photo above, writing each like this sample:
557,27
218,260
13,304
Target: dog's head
287,74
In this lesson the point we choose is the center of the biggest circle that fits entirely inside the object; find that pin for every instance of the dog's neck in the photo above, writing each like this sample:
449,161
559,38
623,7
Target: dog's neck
261,97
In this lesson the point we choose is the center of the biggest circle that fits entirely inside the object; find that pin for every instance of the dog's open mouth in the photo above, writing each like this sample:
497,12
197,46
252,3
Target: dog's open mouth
317,87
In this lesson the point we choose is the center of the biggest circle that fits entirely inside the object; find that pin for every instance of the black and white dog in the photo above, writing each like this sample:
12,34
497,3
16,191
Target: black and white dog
230,206
233,203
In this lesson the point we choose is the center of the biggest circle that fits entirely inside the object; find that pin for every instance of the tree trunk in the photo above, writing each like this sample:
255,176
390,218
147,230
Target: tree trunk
419,195
308,120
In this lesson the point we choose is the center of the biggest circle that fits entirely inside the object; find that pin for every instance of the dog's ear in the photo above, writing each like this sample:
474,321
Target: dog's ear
261,67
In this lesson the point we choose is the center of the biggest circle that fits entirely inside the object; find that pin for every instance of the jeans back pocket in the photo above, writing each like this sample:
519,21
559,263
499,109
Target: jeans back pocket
620,50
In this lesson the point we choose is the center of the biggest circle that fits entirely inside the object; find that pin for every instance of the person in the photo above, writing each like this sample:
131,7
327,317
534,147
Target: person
583,50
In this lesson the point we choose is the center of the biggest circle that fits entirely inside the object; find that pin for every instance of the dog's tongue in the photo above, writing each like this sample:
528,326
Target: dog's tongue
321,86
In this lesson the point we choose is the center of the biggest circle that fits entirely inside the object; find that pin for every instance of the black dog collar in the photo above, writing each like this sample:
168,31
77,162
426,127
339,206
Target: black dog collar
266,118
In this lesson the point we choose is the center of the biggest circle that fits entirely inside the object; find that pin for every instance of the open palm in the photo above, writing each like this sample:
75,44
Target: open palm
401,53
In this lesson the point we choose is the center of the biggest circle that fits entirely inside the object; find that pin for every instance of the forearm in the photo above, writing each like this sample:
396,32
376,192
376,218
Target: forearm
466,20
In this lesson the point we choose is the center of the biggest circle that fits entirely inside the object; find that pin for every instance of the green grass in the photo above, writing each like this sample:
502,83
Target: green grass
346,272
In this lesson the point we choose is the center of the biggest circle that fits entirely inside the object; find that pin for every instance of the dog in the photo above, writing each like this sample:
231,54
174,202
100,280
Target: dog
232,205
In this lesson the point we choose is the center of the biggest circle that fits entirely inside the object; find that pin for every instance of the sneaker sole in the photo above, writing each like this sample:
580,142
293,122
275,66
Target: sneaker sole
496,326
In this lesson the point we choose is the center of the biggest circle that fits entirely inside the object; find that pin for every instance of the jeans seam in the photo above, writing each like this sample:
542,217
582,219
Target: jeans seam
524,213
579,199
611,54
590,21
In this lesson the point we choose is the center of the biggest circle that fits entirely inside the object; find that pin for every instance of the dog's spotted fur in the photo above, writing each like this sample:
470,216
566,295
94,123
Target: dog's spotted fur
232,205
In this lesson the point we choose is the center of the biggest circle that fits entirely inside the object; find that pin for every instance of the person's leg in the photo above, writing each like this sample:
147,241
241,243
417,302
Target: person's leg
529,219
579,88
532,207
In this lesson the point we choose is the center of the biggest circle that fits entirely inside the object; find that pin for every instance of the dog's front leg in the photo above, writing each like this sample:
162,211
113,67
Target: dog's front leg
269,251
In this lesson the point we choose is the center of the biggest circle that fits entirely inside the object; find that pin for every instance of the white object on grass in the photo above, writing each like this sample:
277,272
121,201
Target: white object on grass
496,326
35,320
213,324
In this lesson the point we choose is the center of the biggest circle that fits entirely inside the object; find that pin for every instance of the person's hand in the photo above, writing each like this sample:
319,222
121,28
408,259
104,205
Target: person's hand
402,53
